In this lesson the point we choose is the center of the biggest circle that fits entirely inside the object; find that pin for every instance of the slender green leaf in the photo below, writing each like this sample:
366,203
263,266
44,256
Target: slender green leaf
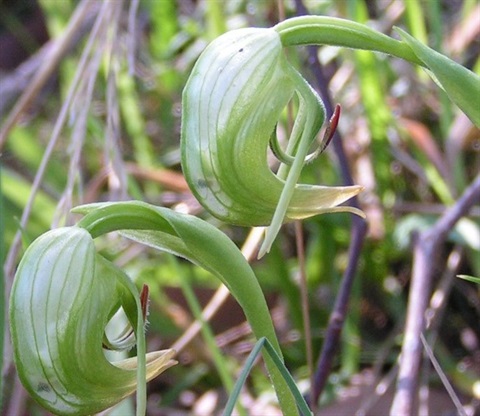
461,84
264,343
470,278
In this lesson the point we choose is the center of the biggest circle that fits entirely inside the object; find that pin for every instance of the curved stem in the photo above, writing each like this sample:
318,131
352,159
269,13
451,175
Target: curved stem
319,30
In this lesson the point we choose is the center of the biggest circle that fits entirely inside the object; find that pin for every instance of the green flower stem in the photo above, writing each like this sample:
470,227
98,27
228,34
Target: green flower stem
202,244
235,96
323,30
461,84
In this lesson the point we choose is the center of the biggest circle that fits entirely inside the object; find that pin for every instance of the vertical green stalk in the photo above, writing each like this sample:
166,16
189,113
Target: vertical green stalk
415,19
164,26
446,114
215,18
434,16
144,152
373,98
351,337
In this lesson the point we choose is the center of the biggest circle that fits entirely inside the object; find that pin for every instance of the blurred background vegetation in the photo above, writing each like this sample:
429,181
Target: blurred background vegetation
117,84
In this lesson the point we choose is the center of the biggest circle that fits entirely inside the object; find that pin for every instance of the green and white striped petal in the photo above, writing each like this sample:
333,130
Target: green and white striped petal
232,102
62,298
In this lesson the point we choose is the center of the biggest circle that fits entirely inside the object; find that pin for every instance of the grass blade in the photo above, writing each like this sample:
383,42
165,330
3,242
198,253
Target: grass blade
264,343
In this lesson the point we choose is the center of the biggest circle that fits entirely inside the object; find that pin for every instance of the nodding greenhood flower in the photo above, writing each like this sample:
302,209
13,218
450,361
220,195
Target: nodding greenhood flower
63,296
232,102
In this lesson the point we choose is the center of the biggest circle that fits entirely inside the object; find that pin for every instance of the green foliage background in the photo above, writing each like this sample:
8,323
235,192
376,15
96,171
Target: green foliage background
407,144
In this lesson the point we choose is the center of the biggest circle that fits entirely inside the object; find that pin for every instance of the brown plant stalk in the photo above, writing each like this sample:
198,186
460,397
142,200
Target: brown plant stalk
426,248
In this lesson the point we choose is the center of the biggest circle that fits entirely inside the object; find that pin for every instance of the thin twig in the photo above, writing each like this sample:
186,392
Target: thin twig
85,92
9,266
427,208
337,317
305,305
132,35
443,377
12,254
17,82
433,319
438,301
51,61
117,171
14,83
426,248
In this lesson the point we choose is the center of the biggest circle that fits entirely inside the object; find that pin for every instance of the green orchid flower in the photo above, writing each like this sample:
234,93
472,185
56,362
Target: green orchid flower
232,102
63,297
235,96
